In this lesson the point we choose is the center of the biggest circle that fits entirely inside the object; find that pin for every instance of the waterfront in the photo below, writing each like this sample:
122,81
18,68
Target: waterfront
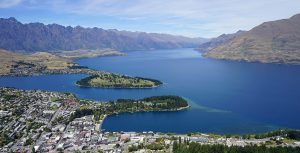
226,96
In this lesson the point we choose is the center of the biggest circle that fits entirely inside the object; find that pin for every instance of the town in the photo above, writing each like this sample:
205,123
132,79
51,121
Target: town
43,121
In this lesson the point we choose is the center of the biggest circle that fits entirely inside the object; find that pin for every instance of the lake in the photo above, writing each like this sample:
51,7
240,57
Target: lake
226,96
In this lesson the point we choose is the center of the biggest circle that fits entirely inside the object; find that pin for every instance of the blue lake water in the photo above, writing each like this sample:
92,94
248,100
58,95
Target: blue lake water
226,96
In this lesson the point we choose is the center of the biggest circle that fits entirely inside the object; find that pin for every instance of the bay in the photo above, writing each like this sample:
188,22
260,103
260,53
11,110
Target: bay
226,96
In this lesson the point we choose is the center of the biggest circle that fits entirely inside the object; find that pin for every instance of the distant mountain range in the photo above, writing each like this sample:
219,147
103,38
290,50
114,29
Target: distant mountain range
32,37
215,42
271,42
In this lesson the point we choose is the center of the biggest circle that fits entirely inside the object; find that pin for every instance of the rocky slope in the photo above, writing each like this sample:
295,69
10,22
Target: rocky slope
271,42
33,37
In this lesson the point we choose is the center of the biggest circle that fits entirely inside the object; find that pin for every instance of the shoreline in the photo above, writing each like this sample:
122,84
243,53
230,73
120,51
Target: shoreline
257,61
11,71
74,59
143,111
83,86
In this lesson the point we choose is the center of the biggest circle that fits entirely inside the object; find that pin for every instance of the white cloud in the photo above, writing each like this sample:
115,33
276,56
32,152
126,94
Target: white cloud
198,17
9,3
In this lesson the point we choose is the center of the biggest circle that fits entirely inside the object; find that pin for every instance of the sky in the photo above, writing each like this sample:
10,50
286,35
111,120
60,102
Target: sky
192,18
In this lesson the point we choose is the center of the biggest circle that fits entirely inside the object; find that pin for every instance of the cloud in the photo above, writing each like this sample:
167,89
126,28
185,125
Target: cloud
9,3
194,17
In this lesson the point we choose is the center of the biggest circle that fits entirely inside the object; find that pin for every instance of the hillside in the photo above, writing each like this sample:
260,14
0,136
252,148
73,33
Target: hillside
271,42
6,60
16,36
215,42
42,59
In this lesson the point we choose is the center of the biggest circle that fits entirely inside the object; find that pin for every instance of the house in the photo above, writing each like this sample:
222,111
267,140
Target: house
137,139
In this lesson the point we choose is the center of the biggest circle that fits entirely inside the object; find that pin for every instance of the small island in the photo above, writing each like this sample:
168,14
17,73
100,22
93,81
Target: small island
110,80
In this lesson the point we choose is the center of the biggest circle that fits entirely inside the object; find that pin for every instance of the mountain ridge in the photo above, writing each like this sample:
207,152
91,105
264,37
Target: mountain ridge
270,42
16,36
214,42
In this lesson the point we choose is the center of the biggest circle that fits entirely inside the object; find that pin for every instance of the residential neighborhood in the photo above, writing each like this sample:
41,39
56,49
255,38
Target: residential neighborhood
43,121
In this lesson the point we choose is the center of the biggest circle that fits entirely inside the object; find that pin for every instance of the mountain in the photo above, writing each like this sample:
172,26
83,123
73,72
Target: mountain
34,37
214,42
271,42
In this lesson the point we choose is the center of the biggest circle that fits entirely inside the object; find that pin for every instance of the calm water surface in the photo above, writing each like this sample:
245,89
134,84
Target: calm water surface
226,96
